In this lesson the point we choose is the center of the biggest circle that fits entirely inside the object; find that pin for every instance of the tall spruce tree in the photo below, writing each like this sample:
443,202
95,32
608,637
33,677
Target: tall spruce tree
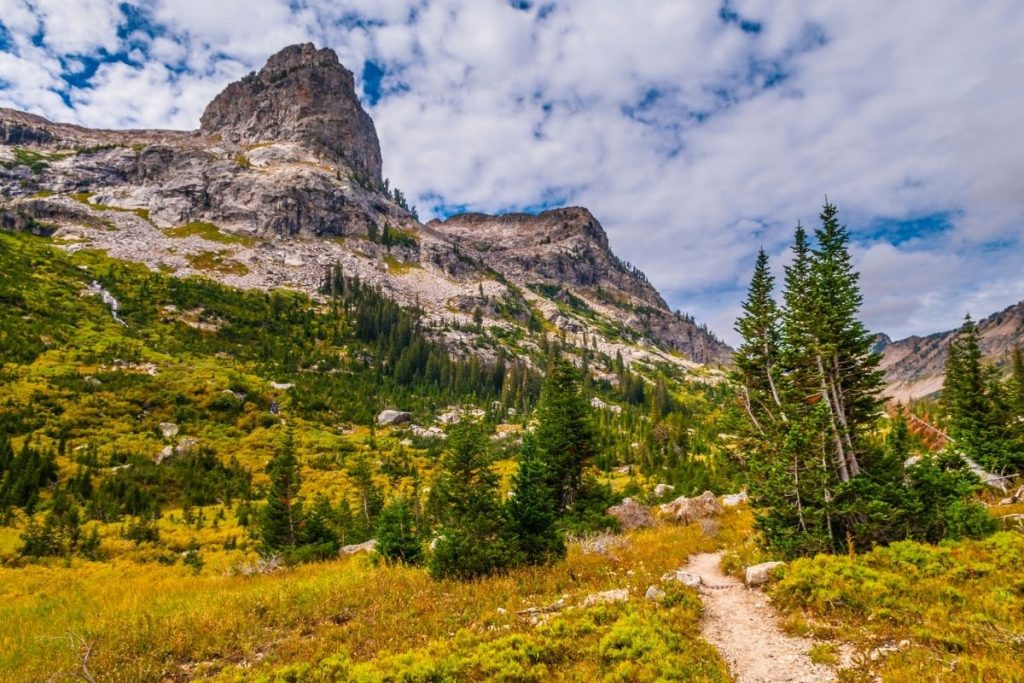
473,538
565,435
817,481
757,358
281,523
532,511
847,367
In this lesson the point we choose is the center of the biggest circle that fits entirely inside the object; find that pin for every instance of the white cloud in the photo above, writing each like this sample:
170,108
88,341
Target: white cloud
653,114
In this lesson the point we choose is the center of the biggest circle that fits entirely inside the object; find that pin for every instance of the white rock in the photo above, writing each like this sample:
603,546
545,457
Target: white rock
661,489
684,577
355,548
734,499
393,417
654,593
282,386
169,430
606,597
760,573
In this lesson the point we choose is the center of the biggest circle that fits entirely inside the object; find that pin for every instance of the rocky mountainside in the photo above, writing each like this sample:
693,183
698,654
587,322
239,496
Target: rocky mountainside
915,366
283,180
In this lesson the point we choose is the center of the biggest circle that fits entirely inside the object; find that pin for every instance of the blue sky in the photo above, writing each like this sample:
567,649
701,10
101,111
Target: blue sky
696,131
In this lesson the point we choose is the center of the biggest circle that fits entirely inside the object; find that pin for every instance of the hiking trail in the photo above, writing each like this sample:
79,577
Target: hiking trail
742,625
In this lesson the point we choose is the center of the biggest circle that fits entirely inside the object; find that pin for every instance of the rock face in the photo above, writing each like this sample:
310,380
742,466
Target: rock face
915,367
684,510
564,253
632,514
283,181
302,95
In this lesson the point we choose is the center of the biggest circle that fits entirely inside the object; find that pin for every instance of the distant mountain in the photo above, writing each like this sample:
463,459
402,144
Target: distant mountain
915,366
284,179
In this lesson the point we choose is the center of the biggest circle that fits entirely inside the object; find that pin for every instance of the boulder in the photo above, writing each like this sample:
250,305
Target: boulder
388,418
356,548
662,489
606,597
169,430
684,510
427,432
760,573
733,499
654,593
632,514
683,577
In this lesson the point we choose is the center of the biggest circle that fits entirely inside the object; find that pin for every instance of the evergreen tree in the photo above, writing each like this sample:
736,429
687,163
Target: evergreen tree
757,358
472,539
565,437
532,511
321,526
282,521
972,398
847,367
396,534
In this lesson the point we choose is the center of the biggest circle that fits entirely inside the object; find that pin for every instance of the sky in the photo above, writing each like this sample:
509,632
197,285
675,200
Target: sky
697,131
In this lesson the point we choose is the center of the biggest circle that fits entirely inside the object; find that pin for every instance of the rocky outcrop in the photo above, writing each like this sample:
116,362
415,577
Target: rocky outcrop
388,418
631,514
685,510
302,95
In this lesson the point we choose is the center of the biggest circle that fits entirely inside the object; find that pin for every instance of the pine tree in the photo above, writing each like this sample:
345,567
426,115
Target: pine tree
532,511
282,521
321,526
473,539
396,534
757,358
565,437
847,367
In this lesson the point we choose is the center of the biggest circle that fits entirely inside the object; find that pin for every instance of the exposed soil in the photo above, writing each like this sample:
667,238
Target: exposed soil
741,623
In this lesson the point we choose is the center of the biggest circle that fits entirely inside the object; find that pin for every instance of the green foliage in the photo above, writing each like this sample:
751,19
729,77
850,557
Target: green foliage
397,539
981,411
282,519
807,384
472,537
532,511
565,438
209,232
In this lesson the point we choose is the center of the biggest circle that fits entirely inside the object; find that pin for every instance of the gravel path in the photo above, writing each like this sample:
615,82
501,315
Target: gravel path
742,625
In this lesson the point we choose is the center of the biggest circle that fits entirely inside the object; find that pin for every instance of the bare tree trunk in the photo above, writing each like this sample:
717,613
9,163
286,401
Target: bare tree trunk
750,412
840,459
840,399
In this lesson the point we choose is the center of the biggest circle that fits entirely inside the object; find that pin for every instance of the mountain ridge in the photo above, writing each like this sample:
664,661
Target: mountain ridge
283,179
915,366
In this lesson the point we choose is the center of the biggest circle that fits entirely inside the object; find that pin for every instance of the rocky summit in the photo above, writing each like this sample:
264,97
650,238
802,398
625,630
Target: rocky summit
283,180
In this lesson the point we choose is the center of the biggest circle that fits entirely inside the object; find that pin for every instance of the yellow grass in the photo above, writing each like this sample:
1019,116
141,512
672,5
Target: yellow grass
153,622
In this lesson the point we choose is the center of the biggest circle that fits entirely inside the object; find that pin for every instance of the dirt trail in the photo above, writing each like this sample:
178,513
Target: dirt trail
742,625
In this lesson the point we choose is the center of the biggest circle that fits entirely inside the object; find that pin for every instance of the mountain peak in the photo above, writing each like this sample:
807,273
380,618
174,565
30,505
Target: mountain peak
302,95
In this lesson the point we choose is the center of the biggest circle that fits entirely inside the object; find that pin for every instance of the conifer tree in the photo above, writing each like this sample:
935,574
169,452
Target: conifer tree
532,511
565,437
757,358
396,534
847,368
282,521
473,539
